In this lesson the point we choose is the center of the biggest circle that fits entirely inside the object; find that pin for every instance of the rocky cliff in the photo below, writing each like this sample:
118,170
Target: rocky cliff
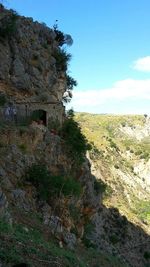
32,63
51,205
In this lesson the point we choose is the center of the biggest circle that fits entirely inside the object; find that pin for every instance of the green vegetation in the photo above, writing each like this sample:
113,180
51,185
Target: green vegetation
62,38
23,147
114,239
62,59
3,99
8,25
114,153
54,124
99,186
30,244
142,209
88,229
24,244
49,185
71,83
75,141
147,255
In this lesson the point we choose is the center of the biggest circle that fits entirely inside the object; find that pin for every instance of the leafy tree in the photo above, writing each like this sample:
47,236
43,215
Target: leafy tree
8,24
71,82
76,142
62,59
62,38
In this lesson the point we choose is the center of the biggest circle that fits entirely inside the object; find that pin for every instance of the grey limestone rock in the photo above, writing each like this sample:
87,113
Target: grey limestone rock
70,239
21,200
4,212
28,57
55,224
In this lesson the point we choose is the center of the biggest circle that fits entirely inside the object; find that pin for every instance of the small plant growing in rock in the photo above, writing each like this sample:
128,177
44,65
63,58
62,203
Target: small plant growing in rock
23,147
116,166
114,239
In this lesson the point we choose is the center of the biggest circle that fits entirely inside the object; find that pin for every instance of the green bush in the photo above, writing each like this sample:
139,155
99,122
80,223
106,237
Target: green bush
49,185
62,38
70,82
74,212
145,155
116,166
138,152
8,24
3,99
53,124
70,85
62,59
75,141
95,153
114,239
113,145
23,147
99,186
147,255
88,229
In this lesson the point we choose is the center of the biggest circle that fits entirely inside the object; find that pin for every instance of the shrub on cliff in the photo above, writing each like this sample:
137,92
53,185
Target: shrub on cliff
8,24
71,83
75,141
99,186
50,185
62,38
62,59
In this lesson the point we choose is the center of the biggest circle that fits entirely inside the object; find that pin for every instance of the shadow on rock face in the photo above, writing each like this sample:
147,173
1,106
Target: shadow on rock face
21,265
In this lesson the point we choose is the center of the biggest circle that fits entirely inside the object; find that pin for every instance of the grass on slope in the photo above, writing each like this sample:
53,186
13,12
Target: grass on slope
113,148
19,243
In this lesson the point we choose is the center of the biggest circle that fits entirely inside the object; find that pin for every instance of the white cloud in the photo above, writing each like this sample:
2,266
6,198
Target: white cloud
142,64
123,94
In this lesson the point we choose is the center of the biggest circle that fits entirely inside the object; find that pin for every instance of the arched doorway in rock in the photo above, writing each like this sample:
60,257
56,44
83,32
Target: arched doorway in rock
40,116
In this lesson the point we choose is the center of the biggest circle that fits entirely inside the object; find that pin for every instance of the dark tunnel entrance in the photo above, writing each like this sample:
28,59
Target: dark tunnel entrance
39,116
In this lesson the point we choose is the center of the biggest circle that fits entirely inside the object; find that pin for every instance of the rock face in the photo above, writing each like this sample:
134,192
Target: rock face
4,212
43,146
114,234
28,50
71,219
137,131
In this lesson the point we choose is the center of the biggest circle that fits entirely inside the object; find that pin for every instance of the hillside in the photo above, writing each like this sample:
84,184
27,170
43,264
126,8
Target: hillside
121,158
52,211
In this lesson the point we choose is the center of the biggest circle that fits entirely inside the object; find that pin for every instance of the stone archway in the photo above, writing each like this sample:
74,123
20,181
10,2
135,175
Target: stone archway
39,115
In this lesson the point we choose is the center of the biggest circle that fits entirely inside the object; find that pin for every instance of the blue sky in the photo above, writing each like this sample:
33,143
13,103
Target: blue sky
111,50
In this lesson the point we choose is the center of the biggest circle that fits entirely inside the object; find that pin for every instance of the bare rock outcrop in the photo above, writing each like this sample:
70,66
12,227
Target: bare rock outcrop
28,51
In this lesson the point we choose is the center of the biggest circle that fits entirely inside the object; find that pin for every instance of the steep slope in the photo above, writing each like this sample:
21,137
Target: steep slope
121,158
39,230
52,225
51,210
